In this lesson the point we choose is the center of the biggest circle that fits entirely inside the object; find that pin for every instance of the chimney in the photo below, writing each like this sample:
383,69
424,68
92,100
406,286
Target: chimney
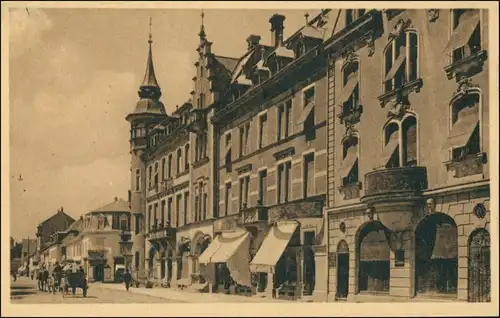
277,29
252,41
116,199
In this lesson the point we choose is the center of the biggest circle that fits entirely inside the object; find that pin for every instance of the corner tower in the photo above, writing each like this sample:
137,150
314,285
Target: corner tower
148,112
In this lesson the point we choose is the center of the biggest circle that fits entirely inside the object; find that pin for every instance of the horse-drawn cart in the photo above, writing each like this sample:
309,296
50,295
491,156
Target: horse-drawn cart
74,280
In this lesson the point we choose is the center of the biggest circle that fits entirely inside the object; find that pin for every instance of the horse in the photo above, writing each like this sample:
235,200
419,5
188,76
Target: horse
45,278
40,280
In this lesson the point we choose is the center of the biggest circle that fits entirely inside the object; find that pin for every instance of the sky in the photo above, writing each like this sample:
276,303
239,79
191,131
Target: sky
74,76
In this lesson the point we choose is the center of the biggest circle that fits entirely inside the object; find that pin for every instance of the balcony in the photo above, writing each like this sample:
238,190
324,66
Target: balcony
393,193
198,120
162,233
152,190
304,208
253,215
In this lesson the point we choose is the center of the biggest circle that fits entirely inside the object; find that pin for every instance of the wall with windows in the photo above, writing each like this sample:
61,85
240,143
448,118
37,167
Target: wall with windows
250,147
436,127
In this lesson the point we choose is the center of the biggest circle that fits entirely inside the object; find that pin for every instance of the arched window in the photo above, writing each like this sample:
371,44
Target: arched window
186,158
390,155
179,160
465,39
170,166
349,167
464,137
150,176
409,134
163,168
401,61
156,173
350,92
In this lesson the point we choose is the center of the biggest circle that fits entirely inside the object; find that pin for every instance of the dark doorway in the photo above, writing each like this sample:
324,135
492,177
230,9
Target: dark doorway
479,266
162,265
342,270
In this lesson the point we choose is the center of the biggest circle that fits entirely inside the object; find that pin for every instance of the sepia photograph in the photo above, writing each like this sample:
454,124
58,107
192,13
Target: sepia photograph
280,155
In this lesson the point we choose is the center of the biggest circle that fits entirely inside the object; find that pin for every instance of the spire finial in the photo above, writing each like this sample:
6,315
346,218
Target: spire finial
150,33
307,17
202,27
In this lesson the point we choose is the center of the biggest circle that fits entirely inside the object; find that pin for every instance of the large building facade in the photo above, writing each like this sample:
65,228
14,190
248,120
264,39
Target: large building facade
347,161
408,192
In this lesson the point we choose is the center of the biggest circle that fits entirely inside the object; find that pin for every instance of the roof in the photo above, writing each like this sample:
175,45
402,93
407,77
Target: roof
284,52
239,69
150,106
118,205
312,32
58,213
149,75
229,63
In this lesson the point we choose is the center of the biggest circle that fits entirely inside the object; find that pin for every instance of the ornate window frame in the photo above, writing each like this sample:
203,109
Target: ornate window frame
399,121
353,116
351,190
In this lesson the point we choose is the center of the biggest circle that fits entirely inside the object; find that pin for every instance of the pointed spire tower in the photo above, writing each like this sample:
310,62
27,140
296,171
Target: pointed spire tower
149,90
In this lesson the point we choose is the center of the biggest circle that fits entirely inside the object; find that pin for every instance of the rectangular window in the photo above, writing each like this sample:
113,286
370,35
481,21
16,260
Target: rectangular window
263,131
308,181
284,182
124,224
309,238
178,210
262,186
196,205
200,200
309,122
156,173
169,211
137,179
150,176
115,222
137,225
281,112
466,36
163,168
288,118
227,199
136,260
186,158
205,205
244,189
186,207
150,210
155,213
163,208
170,166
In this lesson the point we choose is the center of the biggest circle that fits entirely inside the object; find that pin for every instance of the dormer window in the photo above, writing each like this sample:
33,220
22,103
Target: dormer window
352,15
299,49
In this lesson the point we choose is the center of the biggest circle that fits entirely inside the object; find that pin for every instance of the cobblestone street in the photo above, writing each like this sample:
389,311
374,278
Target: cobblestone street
25,291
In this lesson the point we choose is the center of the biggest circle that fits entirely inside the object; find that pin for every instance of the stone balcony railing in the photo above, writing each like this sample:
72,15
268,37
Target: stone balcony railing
198,120
162,232
394,184
152,190
253,214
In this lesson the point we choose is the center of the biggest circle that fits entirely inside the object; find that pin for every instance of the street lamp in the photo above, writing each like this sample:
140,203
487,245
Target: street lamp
125,245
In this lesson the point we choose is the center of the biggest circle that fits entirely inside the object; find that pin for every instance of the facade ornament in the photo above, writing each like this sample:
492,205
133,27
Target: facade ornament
350,56
399,106
433,14
431,205
464,86
399,28
369,212
370,44
350,131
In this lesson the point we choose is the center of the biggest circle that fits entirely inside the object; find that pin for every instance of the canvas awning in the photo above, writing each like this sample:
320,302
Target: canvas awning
389,149
349,161
463,32
307,110
445,246
374,247
231,248
348,89
273,247
463,128
397,64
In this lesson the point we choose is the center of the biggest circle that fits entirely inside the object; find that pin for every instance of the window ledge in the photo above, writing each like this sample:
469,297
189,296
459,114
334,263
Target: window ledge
467,166
185,172
352,116
405,90
467,66
351,190
200,162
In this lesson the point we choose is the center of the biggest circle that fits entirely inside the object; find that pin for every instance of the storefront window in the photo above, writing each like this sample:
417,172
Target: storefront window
374,261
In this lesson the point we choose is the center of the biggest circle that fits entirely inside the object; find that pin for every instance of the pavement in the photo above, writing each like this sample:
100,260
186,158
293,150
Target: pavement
25,291
191,296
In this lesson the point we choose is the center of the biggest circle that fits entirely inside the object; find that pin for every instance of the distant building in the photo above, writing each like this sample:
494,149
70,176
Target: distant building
28,249
93,240
56,223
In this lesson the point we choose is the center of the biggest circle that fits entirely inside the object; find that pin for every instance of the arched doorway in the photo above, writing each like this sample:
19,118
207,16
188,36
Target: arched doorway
479,266
342,269
436,255
153,261
373,258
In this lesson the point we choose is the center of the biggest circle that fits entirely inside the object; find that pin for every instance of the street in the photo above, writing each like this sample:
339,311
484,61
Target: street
25,291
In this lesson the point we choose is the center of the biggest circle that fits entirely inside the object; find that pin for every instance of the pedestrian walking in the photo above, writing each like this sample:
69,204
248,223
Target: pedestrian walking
127,277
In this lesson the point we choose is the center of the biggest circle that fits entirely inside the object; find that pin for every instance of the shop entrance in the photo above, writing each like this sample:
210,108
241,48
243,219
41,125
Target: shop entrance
342,270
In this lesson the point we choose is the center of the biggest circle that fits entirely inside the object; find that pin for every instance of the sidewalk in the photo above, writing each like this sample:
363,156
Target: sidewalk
188,295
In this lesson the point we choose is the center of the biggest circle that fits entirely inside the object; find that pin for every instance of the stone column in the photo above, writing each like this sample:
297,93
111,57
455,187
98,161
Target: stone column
146,268
320,272
269,291
174,272
402,275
